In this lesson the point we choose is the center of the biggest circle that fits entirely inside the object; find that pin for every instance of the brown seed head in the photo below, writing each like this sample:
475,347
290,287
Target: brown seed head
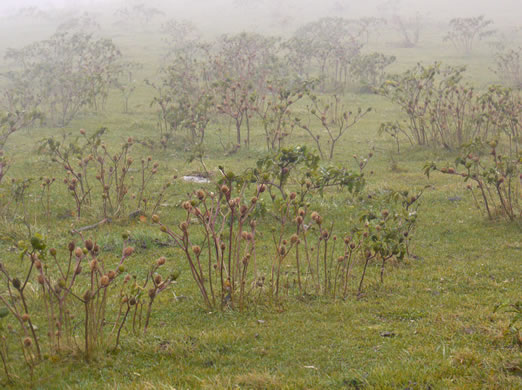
161,260
128,251
93,264
104,281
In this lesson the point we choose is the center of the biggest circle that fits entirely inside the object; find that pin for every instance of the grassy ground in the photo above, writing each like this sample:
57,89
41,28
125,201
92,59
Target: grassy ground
431,324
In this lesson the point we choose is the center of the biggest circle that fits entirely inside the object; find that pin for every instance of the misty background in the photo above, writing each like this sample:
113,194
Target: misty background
254,12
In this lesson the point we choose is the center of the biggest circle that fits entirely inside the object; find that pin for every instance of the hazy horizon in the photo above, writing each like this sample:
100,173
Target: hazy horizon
502,11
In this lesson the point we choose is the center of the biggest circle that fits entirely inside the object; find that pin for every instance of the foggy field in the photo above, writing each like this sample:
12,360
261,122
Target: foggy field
260,194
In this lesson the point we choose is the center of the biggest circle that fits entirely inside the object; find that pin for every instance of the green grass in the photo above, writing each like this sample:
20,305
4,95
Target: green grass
437,307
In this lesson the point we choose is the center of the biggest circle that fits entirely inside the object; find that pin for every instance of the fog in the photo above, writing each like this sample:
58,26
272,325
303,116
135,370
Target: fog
259,13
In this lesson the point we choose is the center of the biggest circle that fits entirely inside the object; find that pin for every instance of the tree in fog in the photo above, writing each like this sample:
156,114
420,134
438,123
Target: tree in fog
465,31
240,68
329,45
65,73
408,28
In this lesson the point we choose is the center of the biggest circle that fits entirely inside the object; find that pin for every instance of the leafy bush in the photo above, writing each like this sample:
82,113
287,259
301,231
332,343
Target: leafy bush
496,178
443,111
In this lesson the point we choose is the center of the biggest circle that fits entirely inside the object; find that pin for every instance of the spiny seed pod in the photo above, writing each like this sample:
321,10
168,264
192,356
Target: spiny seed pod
89,245
294,238
223,246
243,209
301,212
78,252
41,279
325,234
93,264
347,240
78,270
152,293
196,249
183,226
352,245
262,188
253,224
285,242
71,246
163,228
87,296
96,248
200,194
174,275
132,301
299,220
111,274
378,228
282,251
186,205
161,261
224,189
340,259
104,281
244,235
385,213
128,251
250,236
85,251
293,195
314,215
27,342
253,200
16,283
157,279
25,317
38,264
155,218
61,283
52,252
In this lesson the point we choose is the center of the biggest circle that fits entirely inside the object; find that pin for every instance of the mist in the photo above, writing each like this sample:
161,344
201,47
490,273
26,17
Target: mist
262,14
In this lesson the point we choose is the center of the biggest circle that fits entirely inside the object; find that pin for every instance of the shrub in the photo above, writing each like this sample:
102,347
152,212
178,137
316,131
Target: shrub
76,288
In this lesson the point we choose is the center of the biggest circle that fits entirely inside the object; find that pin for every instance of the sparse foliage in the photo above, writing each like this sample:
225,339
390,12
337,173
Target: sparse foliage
464,31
